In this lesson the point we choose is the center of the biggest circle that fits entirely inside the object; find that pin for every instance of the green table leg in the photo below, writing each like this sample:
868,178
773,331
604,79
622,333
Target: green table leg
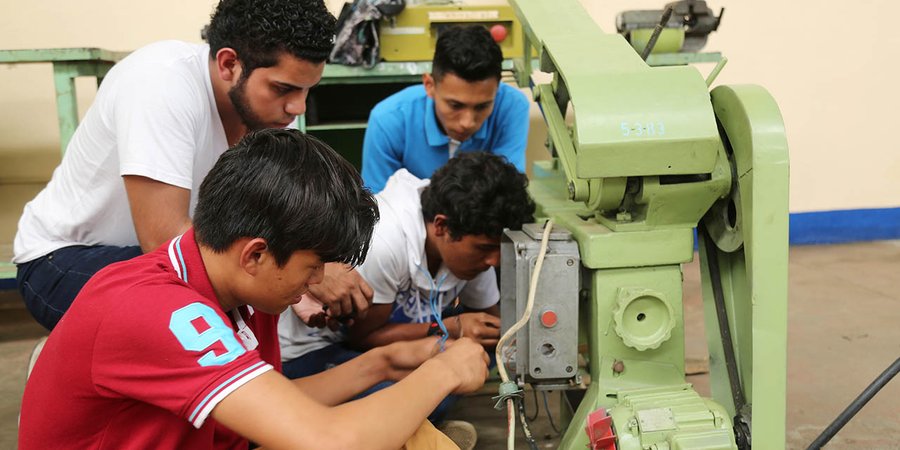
66,101
64,74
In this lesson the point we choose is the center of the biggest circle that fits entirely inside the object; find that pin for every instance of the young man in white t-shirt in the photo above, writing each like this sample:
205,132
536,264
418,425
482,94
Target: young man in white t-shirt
129,178
437,241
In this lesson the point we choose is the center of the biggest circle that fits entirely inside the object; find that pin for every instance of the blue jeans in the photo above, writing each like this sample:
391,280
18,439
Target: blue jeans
328,357
50,283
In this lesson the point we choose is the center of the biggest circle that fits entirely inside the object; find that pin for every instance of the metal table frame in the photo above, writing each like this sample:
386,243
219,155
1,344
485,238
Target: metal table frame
68,63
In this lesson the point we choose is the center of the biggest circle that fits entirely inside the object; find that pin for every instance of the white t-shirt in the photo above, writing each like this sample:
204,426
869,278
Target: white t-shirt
453,146
397,270
154,116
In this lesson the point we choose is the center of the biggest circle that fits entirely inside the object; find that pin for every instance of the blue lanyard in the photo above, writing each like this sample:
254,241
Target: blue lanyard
435,304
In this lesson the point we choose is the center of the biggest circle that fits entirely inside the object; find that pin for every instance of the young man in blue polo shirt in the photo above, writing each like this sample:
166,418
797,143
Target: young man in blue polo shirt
461,106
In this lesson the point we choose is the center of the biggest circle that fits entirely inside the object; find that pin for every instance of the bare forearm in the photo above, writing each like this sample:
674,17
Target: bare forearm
351,425
419,393
394,332
273,412
337,385
151,240
159,211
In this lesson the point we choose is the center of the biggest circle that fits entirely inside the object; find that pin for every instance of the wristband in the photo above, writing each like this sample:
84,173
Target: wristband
434,330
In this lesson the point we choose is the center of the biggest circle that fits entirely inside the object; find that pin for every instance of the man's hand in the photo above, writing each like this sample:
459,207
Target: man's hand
343,293
313,313
466,359
480,326
310,312
405,356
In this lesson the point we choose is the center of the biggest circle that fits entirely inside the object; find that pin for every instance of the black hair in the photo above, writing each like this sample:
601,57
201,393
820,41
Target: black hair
261,30
290,189
468,52
480,193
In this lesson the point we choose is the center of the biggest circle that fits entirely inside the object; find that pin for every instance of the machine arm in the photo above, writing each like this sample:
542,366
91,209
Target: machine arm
642,156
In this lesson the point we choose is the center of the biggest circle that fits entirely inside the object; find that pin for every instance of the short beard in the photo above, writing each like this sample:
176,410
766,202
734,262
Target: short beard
238,96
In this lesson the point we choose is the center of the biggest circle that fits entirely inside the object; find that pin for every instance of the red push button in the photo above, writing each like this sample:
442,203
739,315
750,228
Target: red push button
549,319
498,32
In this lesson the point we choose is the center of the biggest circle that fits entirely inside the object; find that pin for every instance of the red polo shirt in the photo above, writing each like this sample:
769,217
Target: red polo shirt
142,357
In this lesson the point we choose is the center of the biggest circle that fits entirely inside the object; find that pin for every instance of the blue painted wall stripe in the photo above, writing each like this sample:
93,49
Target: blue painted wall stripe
834,227
837,227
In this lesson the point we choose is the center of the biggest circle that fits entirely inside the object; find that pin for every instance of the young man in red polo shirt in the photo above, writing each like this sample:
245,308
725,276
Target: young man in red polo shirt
176,348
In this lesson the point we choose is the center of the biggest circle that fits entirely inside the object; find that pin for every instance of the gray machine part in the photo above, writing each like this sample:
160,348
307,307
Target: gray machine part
546,349
697,19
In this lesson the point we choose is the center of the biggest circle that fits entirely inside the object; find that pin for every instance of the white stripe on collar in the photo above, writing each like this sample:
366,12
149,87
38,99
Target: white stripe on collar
174,258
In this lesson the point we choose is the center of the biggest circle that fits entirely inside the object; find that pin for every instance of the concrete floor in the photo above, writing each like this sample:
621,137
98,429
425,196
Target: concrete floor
843,331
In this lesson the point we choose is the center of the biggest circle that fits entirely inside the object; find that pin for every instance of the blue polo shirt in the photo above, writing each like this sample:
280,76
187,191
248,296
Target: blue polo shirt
403,132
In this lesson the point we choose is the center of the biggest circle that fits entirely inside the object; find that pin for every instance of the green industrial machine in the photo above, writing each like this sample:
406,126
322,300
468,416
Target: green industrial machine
642,157
411,35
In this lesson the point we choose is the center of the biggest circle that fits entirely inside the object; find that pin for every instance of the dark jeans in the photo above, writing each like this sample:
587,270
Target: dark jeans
328,357
50,283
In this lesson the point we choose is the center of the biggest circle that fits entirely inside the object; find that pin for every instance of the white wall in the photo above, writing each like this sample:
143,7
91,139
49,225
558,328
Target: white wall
833,73
29,134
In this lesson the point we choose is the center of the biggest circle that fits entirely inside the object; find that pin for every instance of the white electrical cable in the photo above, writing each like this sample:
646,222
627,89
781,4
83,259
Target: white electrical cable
511,439
511,426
